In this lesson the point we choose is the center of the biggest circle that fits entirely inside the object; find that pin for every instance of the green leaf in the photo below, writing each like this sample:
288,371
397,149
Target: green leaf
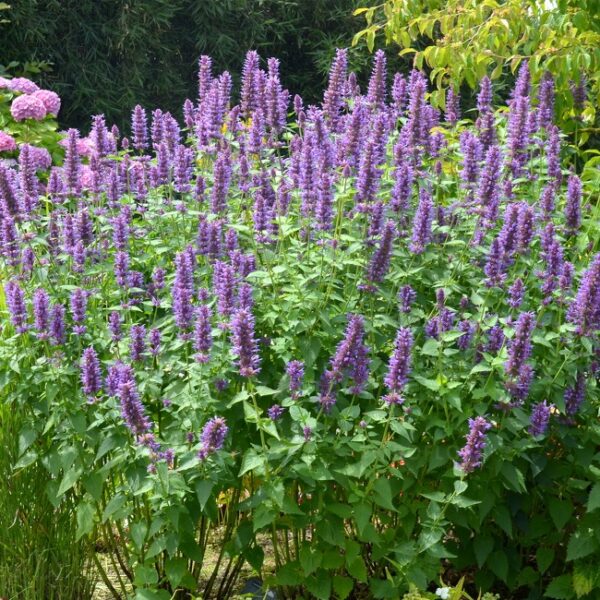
482,545
342,586
310,561
362,515
560,511
251,461
513,477
263,516
503,519
584,579
289,574
581,544
544,558
85,519
431,347
152,595
263,390
560,588
382,494
69,480
204,489
139,531
594,498
175,569
255,556
145,575
498,564
432,384
115,504
358,569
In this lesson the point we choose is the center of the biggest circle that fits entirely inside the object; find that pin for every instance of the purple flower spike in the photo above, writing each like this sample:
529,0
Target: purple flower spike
154,339
15,301
57,324
515,293
41,307
224,282
380,261
545,112
203,334
452,106
540,417
213,437
377,83
421,234
573,205
584,311
139,128
295,371
91,377
519,348
574,396
472,454
245,346
132,409
406,297
351,357
122,268
399,366
114,326
333,99
78,304
468,330
275,412
137,344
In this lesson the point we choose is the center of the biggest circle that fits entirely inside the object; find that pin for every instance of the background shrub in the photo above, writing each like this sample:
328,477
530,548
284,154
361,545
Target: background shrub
106,57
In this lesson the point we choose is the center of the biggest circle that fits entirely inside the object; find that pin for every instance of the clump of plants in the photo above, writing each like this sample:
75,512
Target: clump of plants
364,330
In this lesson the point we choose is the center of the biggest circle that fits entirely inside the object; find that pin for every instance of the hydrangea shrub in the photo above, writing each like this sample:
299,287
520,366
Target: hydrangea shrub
364,331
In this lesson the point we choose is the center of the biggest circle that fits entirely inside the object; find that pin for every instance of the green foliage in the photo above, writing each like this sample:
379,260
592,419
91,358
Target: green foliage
39,557
463,41
105,57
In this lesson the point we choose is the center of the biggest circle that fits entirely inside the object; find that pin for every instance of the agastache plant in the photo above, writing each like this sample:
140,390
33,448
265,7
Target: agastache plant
272,324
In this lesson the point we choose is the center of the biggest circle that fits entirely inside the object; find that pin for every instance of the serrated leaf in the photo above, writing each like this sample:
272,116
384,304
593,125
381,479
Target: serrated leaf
581,543
251,461
594,498
342,586
584,579
544,558
560,588
310,561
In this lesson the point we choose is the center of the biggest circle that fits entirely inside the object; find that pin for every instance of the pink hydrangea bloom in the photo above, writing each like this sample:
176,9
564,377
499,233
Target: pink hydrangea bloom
86,177
41,157
27,107
85,146
4,83
23,85
7,142
50,99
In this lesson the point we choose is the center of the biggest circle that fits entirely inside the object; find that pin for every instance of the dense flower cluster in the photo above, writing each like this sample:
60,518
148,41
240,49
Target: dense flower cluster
235,293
